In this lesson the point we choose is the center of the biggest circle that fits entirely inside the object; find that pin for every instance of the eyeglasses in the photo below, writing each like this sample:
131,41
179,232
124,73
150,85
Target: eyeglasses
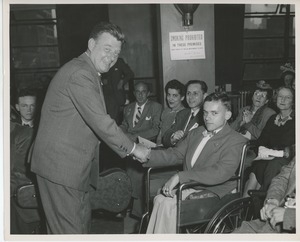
260,94
288,98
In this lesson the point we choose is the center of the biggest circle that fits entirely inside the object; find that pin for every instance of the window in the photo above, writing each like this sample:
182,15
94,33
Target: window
269,40
34,48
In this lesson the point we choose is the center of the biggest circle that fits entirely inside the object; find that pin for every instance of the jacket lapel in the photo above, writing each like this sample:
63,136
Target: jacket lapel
212,145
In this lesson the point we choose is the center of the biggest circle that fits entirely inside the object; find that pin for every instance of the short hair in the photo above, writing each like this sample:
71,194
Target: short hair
107,27
202,83
285,87
25,92
141,82
268,90
219,96
177,85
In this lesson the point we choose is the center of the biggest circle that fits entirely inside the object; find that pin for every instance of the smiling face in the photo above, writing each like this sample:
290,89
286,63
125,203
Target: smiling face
104,51
194,96
174,98
26,106
215,115
285,99
141,93
259,98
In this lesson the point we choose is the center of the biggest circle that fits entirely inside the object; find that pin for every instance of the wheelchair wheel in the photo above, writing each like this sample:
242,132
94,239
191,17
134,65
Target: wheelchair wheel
230,216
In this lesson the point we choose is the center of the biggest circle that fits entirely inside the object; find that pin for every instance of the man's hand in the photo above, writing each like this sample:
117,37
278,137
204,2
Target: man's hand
141,153
177,136
170,184
265,212
277,216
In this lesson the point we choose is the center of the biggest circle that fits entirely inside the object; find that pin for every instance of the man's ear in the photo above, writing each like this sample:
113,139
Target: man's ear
228,115
205,95
182,98
91,44
17,107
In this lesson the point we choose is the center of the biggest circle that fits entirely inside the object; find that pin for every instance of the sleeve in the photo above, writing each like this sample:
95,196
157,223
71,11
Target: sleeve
256,129
221,170
166,138
85,95
279,184
168,157
235,125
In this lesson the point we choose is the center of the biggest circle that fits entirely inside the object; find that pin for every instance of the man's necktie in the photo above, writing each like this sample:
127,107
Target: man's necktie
137,116
189,120
206,137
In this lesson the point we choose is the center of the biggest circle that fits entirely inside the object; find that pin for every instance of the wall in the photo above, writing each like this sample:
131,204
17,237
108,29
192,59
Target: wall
185,70
135,21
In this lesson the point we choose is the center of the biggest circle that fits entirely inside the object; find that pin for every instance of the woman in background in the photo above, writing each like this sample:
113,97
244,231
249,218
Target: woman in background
276,145
175,93
252,119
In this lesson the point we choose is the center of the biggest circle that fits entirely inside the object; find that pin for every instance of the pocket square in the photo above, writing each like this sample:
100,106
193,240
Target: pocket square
148,118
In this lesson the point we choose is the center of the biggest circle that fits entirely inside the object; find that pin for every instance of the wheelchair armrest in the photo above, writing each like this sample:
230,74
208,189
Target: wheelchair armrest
257,193
163,168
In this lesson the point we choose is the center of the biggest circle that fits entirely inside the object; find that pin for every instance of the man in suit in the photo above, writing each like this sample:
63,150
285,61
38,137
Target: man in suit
210,154
141,118
278,214
73,120
187,119
22,221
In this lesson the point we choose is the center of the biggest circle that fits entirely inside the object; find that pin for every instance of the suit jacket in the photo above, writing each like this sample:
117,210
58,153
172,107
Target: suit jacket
256,125
282,185
181,119
21,138
217,162
148,125
73,119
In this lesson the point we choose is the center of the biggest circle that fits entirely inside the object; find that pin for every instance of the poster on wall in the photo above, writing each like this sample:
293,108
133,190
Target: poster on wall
187,45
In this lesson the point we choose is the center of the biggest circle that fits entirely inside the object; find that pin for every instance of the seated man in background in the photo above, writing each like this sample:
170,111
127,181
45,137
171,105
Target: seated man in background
141,118
278,214
22,126
210,154
190,118
252,119
175,92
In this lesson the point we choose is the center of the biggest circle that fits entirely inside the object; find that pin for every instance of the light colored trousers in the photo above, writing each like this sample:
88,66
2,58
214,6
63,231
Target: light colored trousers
164,213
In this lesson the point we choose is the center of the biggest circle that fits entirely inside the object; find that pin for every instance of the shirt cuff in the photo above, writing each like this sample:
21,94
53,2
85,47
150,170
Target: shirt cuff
134,145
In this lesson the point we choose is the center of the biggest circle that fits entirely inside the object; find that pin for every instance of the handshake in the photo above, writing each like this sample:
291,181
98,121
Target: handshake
141,153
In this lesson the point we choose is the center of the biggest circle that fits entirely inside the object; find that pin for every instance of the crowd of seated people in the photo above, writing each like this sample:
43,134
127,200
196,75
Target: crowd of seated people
276,144
187,119
198,137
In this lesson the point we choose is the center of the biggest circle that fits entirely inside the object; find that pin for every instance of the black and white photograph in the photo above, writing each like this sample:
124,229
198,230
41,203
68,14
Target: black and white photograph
149,120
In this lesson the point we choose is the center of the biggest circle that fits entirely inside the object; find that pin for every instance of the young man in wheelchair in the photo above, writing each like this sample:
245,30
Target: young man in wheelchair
278,215
210,154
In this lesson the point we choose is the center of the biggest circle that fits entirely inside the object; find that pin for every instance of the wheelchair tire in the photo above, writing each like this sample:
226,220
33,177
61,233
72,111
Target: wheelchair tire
230,216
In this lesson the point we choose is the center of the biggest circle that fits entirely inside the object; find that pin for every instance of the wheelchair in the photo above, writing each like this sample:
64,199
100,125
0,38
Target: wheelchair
198,215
